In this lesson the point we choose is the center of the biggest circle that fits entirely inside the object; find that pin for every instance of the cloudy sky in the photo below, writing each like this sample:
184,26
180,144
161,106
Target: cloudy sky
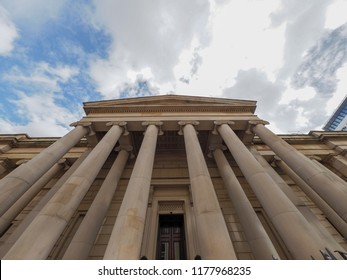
289,55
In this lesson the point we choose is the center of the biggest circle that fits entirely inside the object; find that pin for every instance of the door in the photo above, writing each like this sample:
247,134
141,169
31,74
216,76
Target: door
171,238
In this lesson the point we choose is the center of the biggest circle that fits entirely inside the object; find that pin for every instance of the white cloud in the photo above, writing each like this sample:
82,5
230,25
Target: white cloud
108,76
318,67
33,13
304,22
8,33
146,34
43,76
288,110
38,104
254,85
241,38
45,117
336,14
302,94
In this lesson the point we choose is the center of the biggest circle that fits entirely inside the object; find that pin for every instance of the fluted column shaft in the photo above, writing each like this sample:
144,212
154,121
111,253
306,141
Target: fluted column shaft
301,240
87,232
333,217
18,206
40,236
260,243
126,238
13,185
333,191
213,235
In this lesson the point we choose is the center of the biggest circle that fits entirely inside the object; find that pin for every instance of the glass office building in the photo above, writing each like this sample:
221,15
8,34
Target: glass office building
338,120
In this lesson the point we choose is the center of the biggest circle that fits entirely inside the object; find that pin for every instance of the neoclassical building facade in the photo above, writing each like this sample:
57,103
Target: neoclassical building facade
173,177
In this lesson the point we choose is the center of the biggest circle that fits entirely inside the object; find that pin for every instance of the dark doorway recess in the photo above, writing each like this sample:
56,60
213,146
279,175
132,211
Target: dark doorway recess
171,238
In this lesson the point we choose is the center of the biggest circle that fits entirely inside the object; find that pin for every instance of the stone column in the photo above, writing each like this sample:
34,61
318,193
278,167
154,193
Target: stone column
19,180
301,240
213,235
87,232
325,169
18,206
260,243
21,227
41,235
298,202
333,191
334,218
339,162
277,178
126,238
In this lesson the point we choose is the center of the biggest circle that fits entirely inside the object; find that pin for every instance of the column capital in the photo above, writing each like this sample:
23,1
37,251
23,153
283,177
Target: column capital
183,123
156,123
81,123
276,159
223,122
253,123
21,161
219,123
313,157
121,124
64,163
217,146
84,124
214,147
127,148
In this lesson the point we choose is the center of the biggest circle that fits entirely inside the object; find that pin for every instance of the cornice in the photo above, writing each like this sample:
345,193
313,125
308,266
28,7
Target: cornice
170,99
324,135
169,109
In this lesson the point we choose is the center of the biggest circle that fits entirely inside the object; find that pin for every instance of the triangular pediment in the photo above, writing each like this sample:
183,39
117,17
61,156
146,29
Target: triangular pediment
170,102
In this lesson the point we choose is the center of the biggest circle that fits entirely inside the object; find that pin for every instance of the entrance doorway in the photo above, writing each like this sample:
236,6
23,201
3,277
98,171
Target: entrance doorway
171,238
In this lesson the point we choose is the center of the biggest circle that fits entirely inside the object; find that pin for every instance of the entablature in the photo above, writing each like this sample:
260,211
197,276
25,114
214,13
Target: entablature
169,123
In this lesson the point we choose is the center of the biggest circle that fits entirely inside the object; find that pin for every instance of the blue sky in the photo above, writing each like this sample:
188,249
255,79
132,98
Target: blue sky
290,56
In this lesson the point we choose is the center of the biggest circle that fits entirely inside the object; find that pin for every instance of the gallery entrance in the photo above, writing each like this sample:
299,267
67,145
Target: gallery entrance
171,238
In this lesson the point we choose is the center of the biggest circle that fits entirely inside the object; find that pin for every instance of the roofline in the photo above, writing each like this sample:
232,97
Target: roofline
136,99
